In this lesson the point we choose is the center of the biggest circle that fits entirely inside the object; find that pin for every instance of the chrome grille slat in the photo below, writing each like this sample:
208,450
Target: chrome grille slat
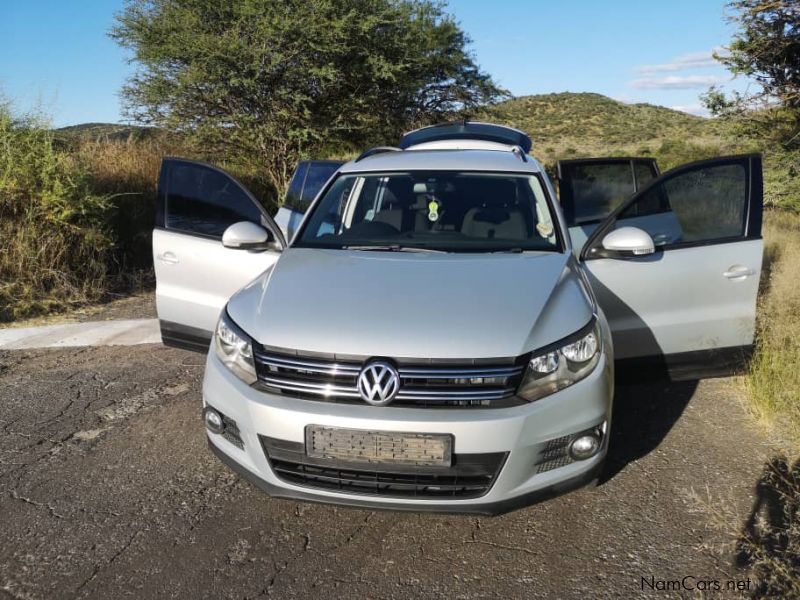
412,394
421,384
312,388
457,373
303,365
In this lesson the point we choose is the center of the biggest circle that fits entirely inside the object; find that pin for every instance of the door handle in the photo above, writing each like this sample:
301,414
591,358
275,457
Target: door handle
169,258
738,272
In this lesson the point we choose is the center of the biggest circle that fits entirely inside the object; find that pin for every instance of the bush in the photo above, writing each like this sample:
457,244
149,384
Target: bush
53,237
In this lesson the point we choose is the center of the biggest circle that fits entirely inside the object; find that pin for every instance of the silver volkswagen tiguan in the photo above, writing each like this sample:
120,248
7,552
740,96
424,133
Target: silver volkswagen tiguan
440,331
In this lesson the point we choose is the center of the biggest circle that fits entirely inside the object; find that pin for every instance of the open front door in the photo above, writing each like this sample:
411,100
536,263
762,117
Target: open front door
309,178
590,189
195,272
687,303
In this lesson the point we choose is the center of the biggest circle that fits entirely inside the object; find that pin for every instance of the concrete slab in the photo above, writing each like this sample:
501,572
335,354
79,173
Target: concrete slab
127,332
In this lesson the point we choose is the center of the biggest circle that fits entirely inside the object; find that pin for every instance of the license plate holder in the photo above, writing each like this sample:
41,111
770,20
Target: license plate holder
379,447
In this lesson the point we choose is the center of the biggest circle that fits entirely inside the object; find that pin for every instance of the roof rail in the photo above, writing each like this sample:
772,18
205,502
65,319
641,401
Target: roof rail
377,150
519,152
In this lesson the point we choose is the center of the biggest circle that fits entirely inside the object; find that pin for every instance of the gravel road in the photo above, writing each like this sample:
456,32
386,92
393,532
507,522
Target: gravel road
107,490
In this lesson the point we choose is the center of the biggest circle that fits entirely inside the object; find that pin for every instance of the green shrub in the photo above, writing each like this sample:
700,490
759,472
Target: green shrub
53,239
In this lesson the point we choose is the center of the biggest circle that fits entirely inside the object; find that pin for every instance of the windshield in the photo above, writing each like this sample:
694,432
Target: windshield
450,211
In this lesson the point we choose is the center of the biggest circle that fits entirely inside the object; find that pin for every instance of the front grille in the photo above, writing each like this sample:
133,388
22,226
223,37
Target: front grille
469,476
477,383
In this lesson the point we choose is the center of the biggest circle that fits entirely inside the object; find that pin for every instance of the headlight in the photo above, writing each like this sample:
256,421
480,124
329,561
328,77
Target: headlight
562,364
235,349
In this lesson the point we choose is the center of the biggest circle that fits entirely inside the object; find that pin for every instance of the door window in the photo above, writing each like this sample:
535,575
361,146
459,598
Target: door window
307,181
203,200
699,205
591,189
295,192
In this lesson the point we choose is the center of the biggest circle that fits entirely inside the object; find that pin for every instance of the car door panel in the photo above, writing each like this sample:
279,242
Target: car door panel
689,307
195,273
679,301
192,288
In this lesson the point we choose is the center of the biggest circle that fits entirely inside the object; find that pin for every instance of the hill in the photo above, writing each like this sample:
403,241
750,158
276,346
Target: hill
571,125
106,131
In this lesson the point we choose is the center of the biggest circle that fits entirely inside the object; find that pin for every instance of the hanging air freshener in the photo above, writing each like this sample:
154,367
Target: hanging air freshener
433,211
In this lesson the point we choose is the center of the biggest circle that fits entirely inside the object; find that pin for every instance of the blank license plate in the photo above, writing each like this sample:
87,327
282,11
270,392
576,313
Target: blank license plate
359,445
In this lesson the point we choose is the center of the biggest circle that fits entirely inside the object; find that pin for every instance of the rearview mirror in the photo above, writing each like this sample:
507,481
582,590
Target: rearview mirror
245,235
628,241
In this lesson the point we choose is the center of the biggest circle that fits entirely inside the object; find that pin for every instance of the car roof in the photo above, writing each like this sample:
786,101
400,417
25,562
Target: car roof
445,160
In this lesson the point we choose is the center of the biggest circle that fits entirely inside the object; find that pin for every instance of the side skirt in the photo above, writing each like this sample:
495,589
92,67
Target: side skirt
184,337
700,364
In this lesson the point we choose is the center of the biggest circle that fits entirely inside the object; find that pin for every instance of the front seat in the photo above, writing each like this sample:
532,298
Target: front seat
497,216
397,198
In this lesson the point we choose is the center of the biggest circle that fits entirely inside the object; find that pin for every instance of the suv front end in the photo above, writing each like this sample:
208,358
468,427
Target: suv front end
419,370
502,458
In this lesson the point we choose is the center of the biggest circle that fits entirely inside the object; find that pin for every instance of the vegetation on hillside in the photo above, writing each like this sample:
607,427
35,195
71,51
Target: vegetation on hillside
106,132
569,125
575,125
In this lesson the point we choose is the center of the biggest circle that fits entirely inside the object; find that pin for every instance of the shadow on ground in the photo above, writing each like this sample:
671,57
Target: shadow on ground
643,416
769,542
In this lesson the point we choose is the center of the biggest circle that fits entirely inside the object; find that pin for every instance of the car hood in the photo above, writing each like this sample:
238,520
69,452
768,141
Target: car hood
413,305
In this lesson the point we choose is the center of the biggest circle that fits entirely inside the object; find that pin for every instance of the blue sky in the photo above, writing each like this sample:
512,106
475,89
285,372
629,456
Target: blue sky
55,54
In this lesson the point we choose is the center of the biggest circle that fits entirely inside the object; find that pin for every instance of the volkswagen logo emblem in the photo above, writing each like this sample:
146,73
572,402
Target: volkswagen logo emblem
378,383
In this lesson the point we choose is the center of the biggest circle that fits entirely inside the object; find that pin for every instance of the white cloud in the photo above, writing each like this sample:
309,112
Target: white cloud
693,60
693,109
677,82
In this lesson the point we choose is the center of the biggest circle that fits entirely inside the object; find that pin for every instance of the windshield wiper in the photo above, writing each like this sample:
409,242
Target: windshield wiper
393,248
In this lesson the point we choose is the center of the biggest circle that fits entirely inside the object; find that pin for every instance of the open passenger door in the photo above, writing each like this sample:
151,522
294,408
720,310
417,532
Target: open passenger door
676,267
211,238
308,179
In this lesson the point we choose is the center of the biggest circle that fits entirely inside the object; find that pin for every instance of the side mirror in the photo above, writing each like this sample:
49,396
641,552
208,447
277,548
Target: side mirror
628,241
245,235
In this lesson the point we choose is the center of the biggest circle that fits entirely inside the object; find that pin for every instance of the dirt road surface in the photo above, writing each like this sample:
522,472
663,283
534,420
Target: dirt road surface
107,490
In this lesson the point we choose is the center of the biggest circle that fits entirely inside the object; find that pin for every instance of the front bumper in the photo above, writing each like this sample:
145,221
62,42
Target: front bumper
522,431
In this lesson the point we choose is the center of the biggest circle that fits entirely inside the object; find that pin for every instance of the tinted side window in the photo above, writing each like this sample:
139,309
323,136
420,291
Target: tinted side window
597,190
205,201
293,195
645,173
318,175
702,204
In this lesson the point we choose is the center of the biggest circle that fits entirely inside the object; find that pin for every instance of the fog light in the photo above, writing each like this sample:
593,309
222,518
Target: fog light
584,446
213,420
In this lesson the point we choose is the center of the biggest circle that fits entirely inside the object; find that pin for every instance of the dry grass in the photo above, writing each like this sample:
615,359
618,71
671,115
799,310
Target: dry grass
773,381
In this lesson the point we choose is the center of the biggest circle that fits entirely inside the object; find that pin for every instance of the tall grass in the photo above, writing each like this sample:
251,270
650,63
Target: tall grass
773,381
126,173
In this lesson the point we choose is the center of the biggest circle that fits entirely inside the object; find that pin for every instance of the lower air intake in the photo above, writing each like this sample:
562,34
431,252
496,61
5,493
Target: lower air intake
469,476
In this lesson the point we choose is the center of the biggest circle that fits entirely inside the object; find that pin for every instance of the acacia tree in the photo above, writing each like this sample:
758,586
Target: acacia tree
272,80
766,48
